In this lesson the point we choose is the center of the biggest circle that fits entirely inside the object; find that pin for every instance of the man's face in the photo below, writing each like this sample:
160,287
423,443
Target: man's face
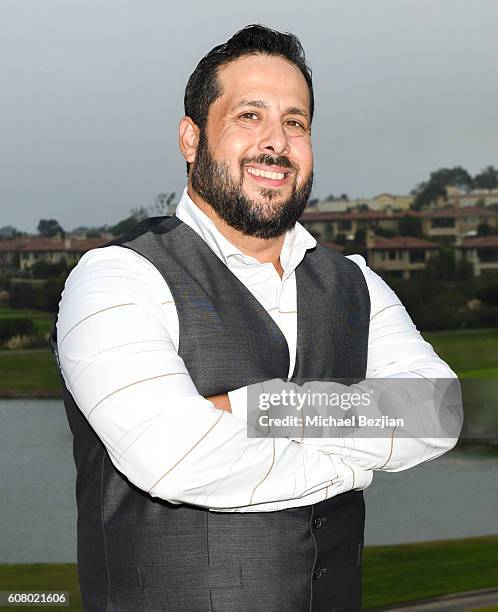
254,160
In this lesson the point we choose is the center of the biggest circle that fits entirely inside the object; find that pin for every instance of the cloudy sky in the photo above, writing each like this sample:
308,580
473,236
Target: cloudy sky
91,95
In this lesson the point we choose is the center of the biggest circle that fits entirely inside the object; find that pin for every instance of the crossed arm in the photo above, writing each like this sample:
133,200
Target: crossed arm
119,361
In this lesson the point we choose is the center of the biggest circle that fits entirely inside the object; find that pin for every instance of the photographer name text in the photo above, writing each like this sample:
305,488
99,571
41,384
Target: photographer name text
382,422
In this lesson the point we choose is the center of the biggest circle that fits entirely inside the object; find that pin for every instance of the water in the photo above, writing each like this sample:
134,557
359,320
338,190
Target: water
37,476
455,496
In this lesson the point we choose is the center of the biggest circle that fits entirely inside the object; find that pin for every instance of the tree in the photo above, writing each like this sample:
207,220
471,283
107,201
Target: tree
125,225
340,239
49,228
385,232
94,232
487,178
45,269
164,204
464,271
487,288
358,244
441,267
410,226
454,177
483,229
139,213
329,232
429,194
8,231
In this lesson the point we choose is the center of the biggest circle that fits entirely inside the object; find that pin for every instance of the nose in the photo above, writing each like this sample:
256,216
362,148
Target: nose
274,138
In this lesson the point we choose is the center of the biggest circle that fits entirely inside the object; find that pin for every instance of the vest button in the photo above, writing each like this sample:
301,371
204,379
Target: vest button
317,574
317,523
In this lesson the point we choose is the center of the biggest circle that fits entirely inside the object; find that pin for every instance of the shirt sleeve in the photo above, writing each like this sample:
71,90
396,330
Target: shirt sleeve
120,365
397,350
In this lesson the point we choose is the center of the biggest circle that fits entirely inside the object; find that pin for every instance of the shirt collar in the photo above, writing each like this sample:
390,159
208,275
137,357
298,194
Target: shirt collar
297,240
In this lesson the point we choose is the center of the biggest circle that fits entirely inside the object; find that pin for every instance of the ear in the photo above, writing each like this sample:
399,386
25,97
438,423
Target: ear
188,138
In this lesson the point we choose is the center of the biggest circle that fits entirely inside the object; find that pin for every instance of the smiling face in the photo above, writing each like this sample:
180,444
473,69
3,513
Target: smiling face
253,162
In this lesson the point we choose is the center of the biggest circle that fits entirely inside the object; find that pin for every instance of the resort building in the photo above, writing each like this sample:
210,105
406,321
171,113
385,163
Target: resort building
450,222
326,225
399,257
481,252
19,254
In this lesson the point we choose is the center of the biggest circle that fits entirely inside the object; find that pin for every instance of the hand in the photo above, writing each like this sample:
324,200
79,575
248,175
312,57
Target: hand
221,402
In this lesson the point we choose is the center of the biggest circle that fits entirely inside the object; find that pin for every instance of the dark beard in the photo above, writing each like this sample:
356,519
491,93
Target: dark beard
212,180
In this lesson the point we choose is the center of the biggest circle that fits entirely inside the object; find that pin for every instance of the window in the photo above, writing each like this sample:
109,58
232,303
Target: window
442,222
487,256
392,255
417,256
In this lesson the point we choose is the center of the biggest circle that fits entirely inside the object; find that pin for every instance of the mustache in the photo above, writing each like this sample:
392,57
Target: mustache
268,160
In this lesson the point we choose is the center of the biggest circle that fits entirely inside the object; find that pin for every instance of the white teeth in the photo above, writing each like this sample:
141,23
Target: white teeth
266,173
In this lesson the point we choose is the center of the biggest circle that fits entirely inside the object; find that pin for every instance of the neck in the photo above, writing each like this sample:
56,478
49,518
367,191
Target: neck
264,250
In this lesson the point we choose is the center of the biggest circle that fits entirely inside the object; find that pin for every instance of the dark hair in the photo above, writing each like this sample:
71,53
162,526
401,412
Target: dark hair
203,86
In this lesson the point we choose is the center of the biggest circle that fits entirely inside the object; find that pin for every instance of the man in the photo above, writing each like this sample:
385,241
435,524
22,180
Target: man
160,333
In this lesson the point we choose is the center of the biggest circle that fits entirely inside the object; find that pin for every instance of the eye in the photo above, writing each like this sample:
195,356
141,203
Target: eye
294,123
249,115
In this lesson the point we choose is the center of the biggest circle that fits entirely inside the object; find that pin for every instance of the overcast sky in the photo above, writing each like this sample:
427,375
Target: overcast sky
91,94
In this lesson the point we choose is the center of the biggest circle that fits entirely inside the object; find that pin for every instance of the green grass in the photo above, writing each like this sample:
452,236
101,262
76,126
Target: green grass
30,373
482,373
392,574
467,350
473,354
42,577
408,572
42,320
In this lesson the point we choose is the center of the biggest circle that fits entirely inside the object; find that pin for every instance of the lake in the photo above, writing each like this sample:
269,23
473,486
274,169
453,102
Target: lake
455,496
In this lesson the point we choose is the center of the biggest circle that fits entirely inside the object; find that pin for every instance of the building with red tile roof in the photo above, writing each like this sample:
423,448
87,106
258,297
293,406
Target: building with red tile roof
400,256
326,225
449,223
481,252
19,254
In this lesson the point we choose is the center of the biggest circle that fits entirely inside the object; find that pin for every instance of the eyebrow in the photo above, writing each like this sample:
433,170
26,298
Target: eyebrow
292,110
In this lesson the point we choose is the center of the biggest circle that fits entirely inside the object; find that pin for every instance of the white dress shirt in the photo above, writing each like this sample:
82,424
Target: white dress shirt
118,336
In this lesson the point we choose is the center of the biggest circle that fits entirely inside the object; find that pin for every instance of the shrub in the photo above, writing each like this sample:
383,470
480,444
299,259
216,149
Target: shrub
45,269
26,342
39,294
20,326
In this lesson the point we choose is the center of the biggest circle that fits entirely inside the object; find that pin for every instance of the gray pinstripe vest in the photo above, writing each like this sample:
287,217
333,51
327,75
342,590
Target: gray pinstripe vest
138,553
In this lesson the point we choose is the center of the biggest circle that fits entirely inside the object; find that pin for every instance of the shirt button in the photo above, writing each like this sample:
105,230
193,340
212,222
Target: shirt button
317,574
317,523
